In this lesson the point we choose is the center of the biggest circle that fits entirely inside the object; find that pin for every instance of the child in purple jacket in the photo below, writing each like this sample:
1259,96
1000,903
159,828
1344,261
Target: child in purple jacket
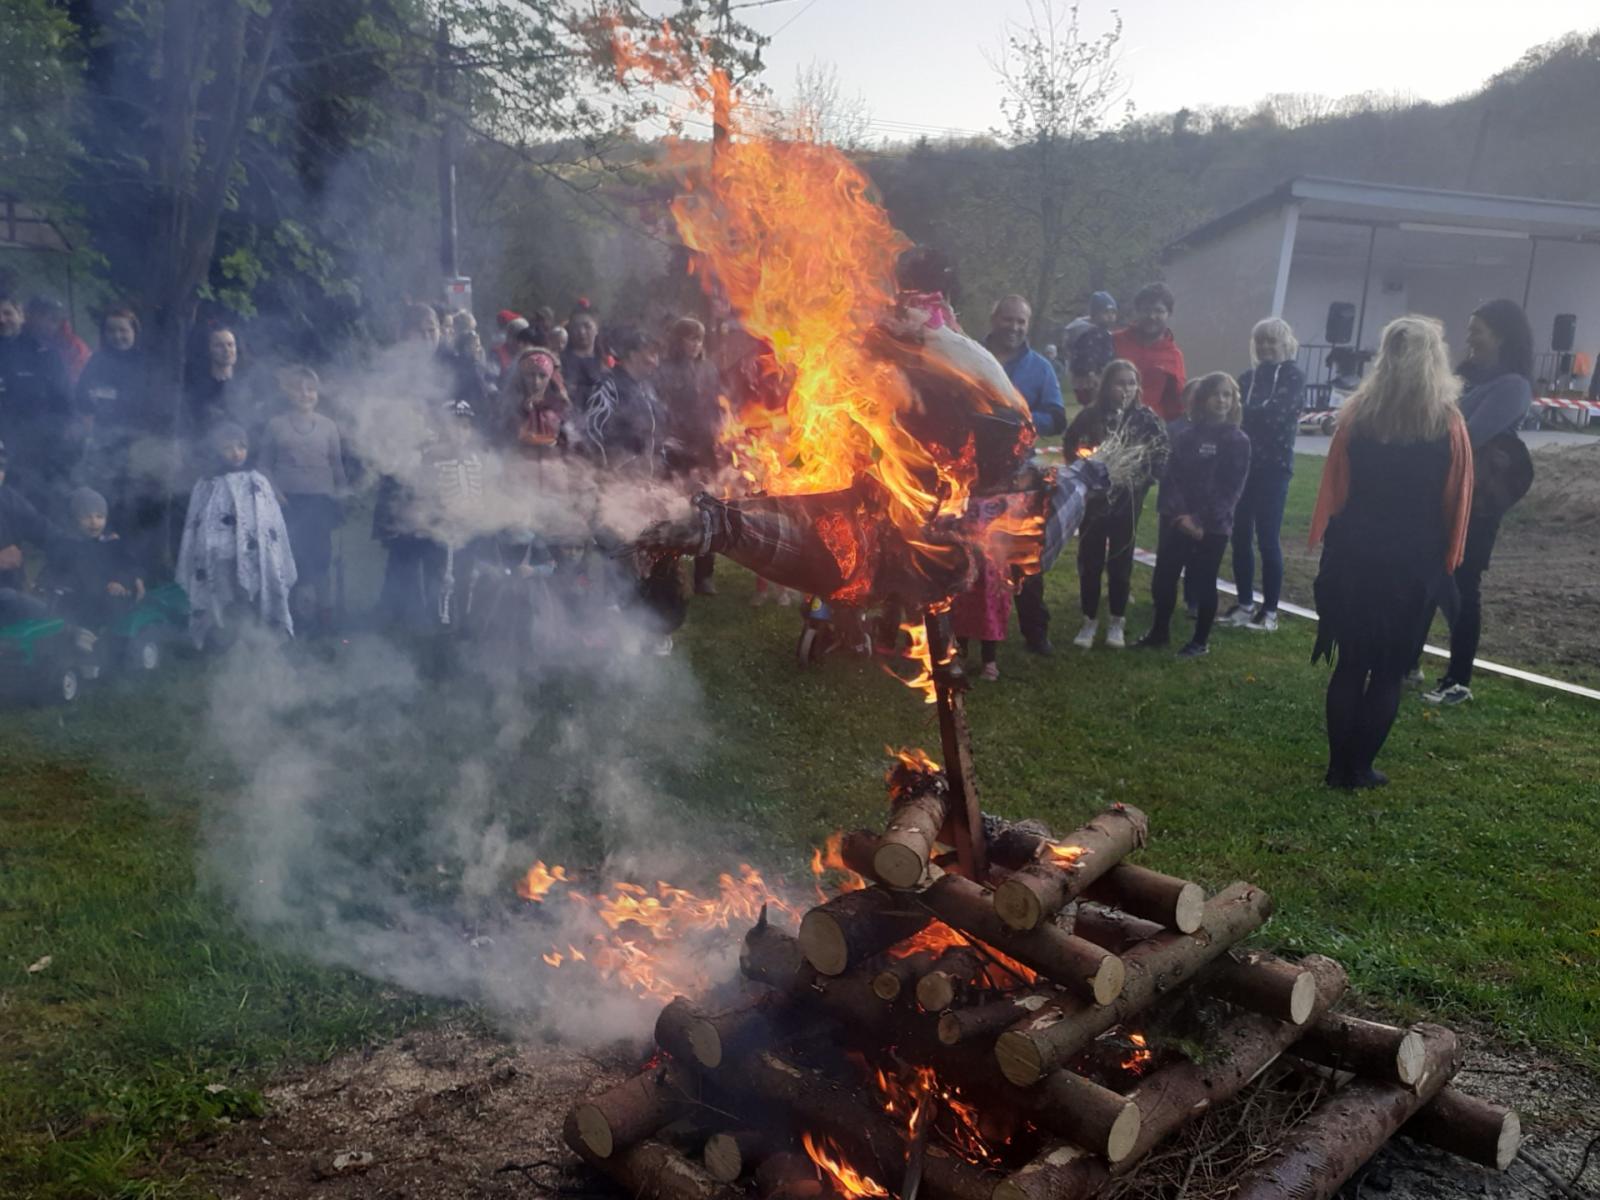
1203,482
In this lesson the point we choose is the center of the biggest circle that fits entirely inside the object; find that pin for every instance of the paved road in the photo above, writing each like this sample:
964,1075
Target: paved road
1310,443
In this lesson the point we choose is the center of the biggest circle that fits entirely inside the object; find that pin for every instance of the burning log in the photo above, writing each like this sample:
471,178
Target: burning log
1367,1048
1264,983
652,1170
995,1017
635,1109
938,989
872,1143
1475,1129
1084,969
691,1034
1169,902
901,859
788,1176
854,926
1036,891
857,849
903,973
1045,1040
731,1155
1332,1143
773,957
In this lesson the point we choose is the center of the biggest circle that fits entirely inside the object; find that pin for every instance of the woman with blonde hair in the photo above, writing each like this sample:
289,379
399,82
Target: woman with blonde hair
1272,392
1392,519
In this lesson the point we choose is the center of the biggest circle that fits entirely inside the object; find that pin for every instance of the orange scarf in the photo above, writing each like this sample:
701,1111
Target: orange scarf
1457,498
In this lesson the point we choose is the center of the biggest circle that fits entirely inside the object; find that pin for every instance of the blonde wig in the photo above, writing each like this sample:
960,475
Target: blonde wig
1411,391
1280,329
1207,386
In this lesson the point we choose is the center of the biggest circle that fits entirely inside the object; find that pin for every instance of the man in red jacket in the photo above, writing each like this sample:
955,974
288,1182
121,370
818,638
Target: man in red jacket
1149,345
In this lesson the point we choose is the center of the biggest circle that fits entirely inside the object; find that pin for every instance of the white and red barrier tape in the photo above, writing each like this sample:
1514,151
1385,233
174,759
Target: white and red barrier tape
1587,406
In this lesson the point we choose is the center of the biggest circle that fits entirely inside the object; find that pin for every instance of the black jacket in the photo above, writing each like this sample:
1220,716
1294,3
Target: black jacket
80,568
34,398
21,523
626,424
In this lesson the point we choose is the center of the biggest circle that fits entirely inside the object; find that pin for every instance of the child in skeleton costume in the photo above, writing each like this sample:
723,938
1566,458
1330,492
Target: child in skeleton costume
235,556
453,474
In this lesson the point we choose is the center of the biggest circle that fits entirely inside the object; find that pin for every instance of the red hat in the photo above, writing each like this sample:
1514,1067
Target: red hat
505,316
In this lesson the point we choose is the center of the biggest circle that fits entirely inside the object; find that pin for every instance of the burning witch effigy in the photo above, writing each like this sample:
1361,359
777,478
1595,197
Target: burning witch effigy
982,1010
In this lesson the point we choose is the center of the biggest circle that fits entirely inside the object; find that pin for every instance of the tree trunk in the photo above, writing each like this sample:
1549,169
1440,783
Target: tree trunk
1264,983
1036,1046
1345,1131
1475,1129
854,926
1366,1048
650,1170
901,860
1084,969
633,1110
707,1036
957,967
1036,892
1140,892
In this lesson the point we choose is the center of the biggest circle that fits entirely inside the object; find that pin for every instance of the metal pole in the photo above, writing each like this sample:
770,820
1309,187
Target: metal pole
1527,288
447,158
1366,283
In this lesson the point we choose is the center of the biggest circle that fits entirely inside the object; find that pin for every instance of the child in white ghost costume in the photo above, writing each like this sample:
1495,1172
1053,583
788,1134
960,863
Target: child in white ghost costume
235,557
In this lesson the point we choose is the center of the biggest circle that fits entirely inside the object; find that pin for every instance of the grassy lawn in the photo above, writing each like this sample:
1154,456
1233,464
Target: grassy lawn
1467,889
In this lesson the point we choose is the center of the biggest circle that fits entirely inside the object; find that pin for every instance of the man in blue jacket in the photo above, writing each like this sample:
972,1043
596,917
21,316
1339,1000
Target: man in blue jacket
1032,375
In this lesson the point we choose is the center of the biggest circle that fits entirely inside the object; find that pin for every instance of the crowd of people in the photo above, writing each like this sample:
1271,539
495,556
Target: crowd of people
96,465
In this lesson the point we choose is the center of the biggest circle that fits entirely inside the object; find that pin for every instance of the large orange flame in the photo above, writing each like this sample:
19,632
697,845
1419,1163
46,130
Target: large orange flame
847,1179
790,234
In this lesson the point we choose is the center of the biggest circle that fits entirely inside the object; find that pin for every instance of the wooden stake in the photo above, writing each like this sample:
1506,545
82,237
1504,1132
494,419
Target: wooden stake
1346,1130
1475,1129
1037,1045
955,738
854,926
1366,1048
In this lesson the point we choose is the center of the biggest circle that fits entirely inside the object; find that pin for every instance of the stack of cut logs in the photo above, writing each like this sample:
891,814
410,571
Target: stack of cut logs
1034,999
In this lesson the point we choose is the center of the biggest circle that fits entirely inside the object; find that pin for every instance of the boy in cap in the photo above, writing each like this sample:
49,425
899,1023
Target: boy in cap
90,570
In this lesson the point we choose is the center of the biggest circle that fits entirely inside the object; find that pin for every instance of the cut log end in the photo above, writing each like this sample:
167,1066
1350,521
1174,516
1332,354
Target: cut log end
1303,999
594,1130
1124,1134
1020,1059
1018,905
1411,1059
726,1155
1108,980
898,866
1189,909
823,942
1509,1141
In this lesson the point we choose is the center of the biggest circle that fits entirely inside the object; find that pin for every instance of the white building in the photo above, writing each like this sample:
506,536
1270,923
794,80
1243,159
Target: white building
1386,251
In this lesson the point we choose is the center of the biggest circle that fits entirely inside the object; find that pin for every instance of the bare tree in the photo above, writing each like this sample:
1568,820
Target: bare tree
1059,90
821,111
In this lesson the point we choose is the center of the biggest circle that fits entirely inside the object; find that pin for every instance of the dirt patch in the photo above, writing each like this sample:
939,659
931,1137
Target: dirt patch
1541,596
451,1113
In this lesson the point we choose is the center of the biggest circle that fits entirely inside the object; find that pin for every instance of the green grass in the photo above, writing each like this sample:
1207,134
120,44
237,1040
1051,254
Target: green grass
1467,889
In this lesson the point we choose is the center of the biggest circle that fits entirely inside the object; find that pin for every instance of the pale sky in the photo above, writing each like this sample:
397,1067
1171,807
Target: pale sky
920,63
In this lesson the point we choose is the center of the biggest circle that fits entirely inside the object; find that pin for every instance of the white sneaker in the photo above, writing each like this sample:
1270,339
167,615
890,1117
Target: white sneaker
1237,615
1116,639
1265,621
663,647
1085,638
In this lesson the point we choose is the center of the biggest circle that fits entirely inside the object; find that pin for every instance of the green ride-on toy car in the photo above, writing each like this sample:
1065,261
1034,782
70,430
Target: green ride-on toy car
41,661
137,640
